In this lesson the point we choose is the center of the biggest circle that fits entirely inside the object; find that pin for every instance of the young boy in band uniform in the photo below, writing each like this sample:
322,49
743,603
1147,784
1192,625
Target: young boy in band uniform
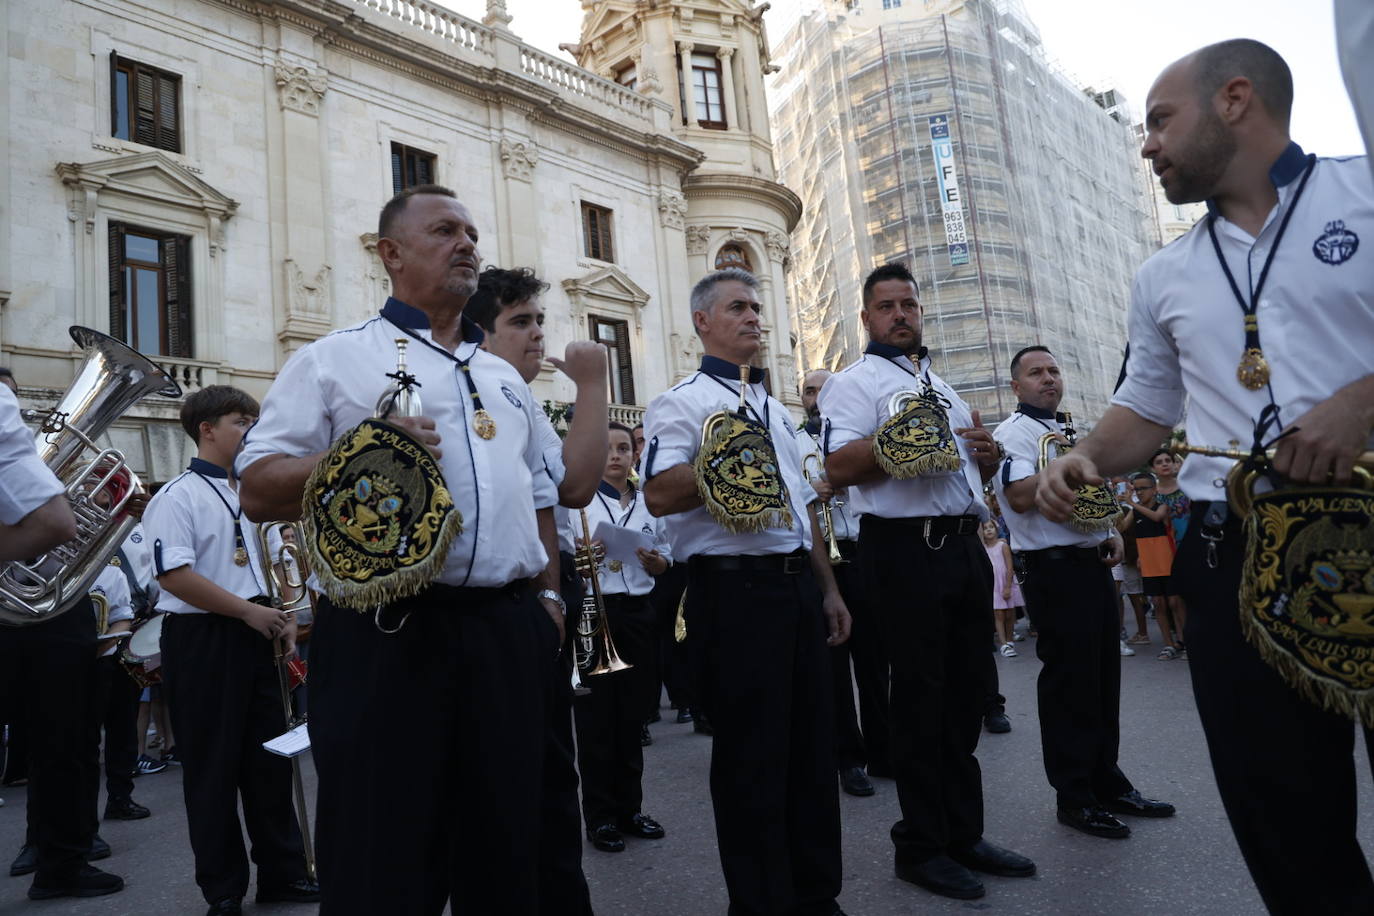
219,666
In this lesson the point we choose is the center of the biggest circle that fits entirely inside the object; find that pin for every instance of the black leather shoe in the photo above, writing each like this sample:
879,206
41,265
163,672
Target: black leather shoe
993,860
684,715
125,809
606,838
855,781
99,849
700,725
1096,820
656,717
942,875
997,723
25,862
89,881
229,906
1138,805
642,826
302,891
645,739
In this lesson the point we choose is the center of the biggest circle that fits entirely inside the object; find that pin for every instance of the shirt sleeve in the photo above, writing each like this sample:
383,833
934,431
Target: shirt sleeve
848,411
672,433
1021,459
295,420
537,454
1153,384
115,587
25,481
661,543
170,523
551,447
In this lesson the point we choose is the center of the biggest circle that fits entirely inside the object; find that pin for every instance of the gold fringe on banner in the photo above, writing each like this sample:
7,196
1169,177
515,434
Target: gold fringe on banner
738,476
377,517
916,440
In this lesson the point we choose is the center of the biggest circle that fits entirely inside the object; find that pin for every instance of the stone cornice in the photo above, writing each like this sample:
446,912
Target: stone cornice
722,184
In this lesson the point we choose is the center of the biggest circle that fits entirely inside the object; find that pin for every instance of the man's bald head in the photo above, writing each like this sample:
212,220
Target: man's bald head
1270,79
811,389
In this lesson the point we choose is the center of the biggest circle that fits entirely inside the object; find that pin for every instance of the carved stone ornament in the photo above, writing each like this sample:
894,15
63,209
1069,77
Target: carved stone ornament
309,297
374,271
301,89
686,352
518,159
497,16
672,209
697,239
738,234
779,246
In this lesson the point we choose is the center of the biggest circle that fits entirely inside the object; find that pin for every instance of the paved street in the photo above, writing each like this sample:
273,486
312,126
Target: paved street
1185,865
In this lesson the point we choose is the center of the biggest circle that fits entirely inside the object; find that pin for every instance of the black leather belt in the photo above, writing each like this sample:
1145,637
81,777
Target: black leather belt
1071,554
936,525
789,564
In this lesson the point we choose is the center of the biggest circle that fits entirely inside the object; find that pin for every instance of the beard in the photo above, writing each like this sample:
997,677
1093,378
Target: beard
1199,165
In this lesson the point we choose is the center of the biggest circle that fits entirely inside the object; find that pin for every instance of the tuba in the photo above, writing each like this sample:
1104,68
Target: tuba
593,649
112,378
1094,506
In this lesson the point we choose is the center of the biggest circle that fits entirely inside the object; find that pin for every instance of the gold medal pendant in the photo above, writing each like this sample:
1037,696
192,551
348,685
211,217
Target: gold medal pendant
240,556
615,566
483,424
1253,370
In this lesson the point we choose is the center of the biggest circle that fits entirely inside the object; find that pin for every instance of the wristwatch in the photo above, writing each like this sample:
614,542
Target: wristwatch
555,598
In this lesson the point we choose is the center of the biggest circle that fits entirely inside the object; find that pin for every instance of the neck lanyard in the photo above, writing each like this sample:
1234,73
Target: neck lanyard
1253,371
761,418
240,547
628,510
482,423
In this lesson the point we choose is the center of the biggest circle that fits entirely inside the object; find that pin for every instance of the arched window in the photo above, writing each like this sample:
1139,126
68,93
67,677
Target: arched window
732,255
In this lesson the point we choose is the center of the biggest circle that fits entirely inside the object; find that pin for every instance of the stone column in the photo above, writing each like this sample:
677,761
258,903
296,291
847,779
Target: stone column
684,53
727,88
308,312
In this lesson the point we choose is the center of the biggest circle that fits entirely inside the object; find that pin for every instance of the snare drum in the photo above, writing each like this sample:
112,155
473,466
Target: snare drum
141,655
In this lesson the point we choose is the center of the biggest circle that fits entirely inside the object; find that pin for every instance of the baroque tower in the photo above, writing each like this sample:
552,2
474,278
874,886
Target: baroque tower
707,59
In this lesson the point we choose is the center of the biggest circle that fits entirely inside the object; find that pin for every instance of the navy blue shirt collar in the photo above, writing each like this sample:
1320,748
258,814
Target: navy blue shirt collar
714,365
408,316
812,427
887,351
1039,413
1285,170
201,466
609,490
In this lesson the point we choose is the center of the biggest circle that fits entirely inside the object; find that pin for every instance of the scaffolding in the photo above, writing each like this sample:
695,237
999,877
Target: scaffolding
1040,240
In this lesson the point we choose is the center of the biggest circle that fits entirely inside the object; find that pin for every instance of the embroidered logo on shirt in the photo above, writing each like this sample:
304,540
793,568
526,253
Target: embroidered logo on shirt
510,396
647,529
136,538
1336,245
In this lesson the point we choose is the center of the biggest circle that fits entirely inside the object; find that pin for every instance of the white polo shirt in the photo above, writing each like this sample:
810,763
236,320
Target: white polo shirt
330,386
25,481
191,522
842,514
1019,434
1316,315
138,551
853,406
631,578
551,445
114,588
672,427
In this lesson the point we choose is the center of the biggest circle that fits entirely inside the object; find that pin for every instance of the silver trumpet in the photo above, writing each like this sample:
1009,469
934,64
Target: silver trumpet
286,574
98,481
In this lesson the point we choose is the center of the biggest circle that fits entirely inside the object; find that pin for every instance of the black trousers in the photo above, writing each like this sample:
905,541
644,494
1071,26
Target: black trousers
1075,605
935,607
461,689
116,696
861,736
757,643
1285,767
562,883
674,668
223,695
609,718
55,661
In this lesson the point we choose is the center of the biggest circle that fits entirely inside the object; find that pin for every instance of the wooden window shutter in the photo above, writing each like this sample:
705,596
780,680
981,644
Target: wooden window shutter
118,324
176,266
114,94
627,374
145,108
424,169
607,254
168,128
397,170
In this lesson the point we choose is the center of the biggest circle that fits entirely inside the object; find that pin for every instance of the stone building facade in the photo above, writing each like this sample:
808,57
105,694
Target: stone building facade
203,180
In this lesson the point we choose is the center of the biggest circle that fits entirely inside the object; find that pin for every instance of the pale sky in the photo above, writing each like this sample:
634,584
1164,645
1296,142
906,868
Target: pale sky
1107,43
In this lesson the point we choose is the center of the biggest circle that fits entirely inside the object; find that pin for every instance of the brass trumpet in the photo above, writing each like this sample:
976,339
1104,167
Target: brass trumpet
593,650
1241,479
290,594
827,517
1094,506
